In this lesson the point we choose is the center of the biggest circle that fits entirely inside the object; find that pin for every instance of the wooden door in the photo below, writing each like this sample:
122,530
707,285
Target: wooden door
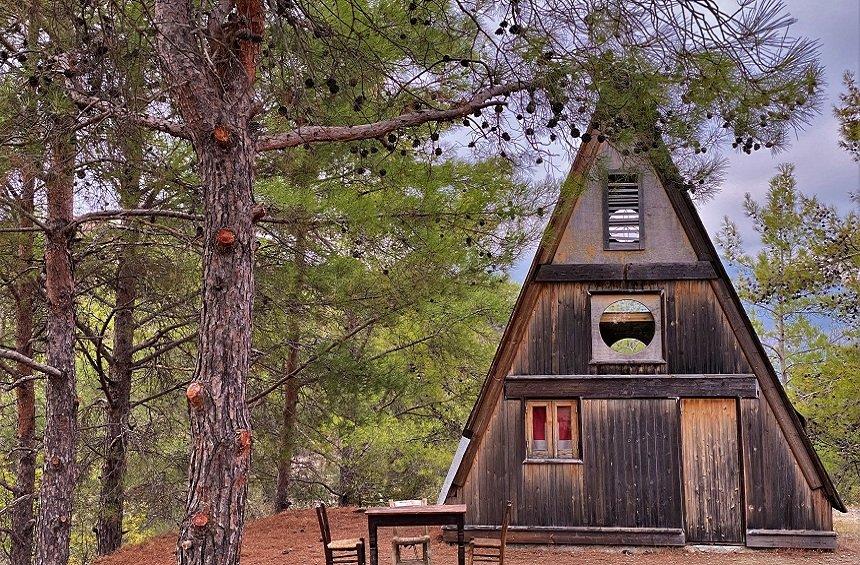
713,504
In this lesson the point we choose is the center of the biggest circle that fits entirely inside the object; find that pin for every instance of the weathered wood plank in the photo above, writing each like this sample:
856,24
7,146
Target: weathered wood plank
626,386
630,473
801,539
590,272
710,455
771,388
697,335
585,535
777,494
580,273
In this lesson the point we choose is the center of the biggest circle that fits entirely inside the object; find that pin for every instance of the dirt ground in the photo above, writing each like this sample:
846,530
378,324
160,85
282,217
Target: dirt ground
292,538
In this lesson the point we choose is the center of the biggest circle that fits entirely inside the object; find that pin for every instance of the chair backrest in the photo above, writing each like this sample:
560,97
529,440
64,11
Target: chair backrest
322,518
406,504
504,534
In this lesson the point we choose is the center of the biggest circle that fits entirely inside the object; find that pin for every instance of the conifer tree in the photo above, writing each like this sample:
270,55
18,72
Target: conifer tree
242,78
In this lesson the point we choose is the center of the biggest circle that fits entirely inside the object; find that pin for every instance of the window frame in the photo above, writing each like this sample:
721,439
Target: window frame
548,429
552,454
574,430
617,245
654,352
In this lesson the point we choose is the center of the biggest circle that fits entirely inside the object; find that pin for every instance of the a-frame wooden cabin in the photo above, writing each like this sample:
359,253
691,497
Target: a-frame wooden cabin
630,400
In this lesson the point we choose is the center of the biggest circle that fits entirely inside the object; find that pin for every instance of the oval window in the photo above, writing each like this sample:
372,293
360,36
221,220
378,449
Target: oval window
627,326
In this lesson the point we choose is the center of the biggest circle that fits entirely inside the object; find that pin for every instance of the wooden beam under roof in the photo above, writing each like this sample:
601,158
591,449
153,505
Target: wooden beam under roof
631,386
699,270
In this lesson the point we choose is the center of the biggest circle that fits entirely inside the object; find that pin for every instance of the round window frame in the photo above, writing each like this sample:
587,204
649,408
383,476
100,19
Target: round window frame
601,353
643,342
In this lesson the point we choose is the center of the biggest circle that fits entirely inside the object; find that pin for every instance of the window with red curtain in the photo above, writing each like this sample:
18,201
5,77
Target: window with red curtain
553,429
539,423
563,419
564,430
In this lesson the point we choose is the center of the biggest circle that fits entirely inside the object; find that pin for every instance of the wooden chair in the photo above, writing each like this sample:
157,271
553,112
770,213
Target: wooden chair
340,551
491,550
398,541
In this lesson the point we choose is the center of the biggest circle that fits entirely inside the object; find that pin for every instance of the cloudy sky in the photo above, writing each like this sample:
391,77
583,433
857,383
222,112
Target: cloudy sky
822,168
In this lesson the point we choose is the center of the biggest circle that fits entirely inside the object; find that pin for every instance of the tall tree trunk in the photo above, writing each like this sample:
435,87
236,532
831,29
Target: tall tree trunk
287,440
211,533
346,478
111,497
215,95
23,520
59,471
119,385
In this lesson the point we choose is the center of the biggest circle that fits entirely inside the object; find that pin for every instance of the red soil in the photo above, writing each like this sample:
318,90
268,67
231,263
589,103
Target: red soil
292,538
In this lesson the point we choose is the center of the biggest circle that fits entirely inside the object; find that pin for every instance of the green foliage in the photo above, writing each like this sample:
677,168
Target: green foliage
801,286
848,114
383,261
392,289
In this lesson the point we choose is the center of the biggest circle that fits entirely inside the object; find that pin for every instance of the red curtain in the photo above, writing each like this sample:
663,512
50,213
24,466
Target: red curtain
539,423
563,418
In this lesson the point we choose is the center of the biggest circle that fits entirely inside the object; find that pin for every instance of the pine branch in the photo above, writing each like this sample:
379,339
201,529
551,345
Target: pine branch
13,355
324,134
164,349
108,109
140,212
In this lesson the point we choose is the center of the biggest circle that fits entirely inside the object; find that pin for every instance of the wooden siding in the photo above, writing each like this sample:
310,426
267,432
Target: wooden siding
631,463
629,475
777,493
542,494
494,477
698,338
569,535
551,494
713,507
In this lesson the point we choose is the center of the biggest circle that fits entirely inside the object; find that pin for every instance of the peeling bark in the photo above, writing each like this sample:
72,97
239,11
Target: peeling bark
112,495
220,450
53,527
216,100
23,517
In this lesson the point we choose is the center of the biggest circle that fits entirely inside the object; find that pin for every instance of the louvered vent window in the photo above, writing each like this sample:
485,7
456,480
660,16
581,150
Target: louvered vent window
623,212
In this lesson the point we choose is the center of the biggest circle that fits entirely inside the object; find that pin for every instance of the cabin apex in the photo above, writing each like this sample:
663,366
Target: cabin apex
630,400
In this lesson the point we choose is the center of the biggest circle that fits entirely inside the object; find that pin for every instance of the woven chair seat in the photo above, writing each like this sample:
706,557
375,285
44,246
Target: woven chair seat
343,544
486,542
414,540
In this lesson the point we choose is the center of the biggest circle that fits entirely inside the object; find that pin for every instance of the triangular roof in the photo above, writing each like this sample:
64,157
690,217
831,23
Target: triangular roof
670,179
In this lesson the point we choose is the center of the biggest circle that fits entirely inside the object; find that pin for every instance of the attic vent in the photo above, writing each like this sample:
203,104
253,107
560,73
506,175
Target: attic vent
623,212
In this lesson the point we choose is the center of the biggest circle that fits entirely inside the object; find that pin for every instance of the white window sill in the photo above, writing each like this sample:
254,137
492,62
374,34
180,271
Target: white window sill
551,461
627,362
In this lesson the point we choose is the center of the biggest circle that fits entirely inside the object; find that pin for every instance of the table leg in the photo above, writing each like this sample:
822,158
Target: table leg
461,542
374,552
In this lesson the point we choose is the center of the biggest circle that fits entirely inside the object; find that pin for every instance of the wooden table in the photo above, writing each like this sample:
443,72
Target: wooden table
431,515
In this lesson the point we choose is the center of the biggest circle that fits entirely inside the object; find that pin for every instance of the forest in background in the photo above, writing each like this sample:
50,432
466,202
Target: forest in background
368,357
378,309
289,224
